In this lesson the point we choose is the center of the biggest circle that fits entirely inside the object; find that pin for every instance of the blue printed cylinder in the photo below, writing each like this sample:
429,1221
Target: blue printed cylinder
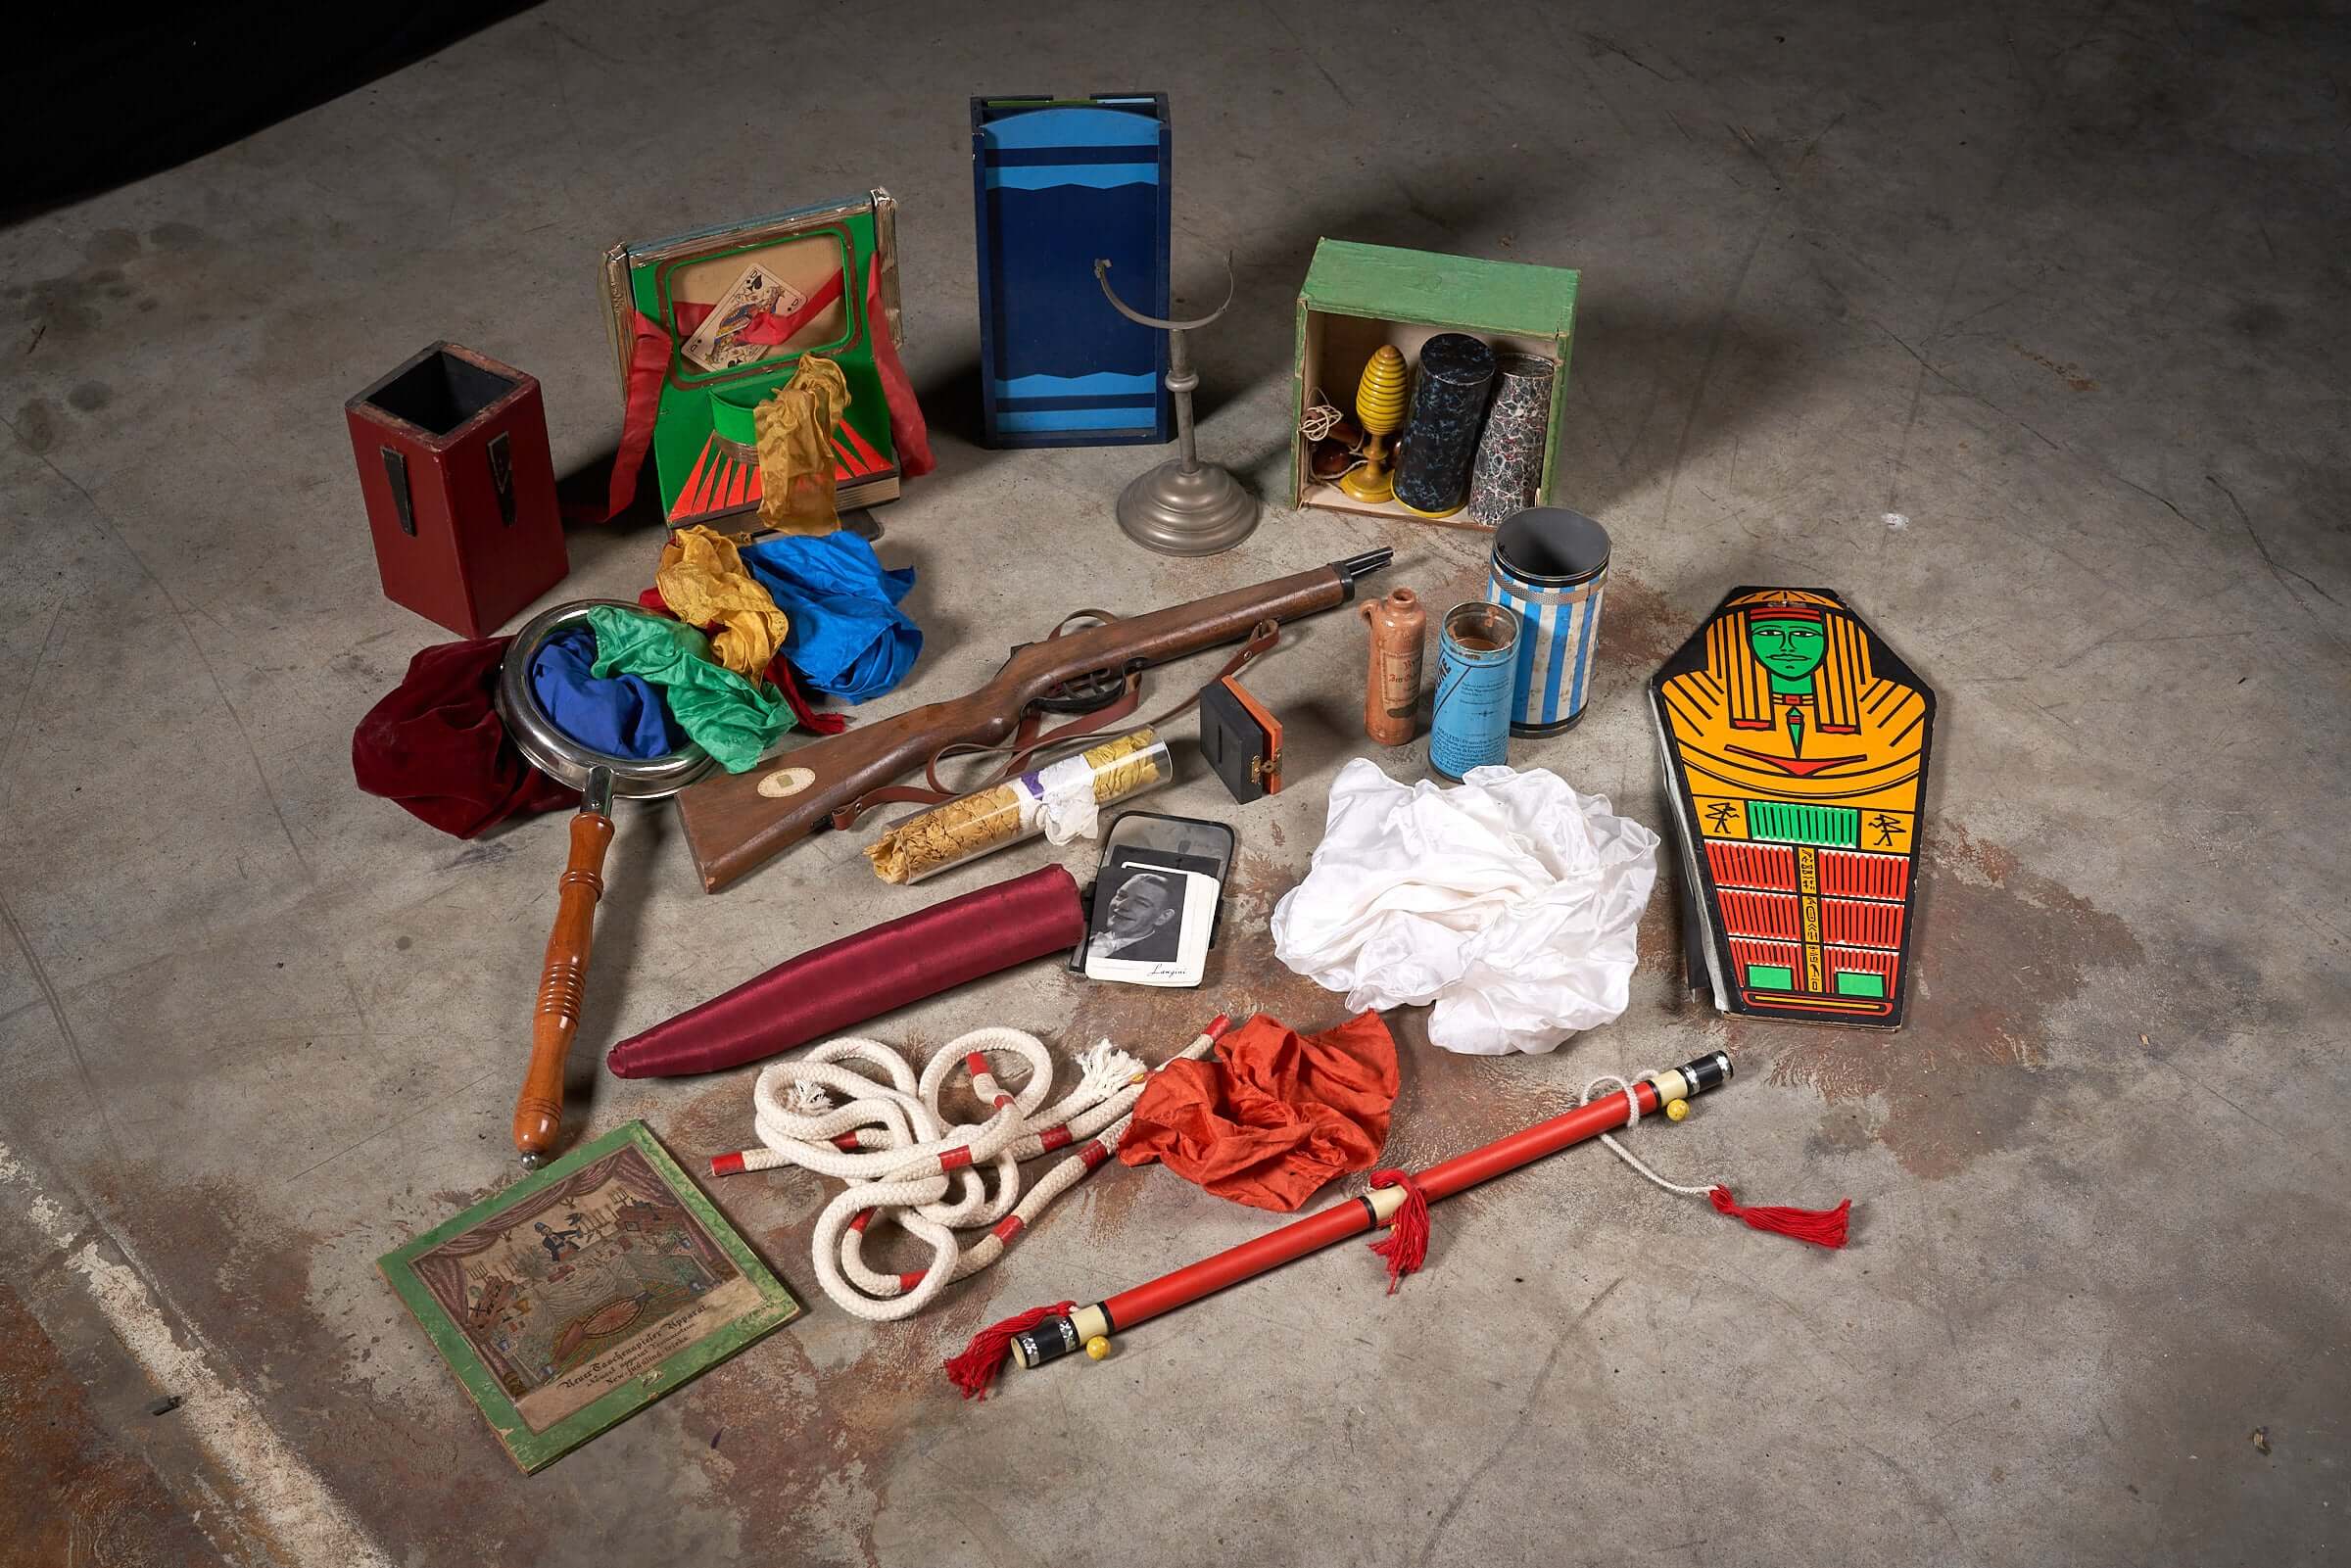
1440,434
1477,647
1550,567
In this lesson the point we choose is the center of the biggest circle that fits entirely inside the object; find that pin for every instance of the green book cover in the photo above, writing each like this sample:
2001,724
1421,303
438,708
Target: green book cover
585,1292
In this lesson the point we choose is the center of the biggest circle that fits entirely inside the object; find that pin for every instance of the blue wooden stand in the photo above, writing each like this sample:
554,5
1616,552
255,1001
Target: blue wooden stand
1056,183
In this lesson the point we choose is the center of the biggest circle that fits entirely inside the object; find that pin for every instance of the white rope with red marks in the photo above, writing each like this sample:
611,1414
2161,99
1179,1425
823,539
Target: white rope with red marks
899,1154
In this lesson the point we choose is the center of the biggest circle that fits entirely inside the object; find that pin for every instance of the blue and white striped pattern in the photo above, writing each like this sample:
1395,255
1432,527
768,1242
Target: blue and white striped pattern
1557,630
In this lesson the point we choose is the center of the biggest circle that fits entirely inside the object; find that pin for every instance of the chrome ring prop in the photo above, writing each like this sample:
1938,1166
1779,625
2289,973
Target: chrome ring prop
556,753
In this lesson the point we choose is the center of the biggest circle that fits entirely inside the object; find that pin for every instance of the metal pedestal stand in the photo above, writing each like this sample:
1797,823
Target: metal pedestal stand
1184,506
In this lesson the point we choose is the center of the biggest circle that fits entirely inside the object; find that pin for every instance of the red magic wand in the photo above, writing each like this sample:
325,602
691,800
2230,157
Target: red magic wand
1398,1203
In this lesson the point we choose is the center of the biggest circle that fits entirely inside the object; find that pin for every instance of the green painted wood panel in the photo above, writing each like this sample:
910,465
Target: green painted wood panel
1457,291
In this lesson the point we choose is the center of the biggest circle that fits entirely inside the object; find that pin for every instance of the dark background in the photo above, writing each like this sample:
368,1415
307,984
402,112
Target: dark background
104,103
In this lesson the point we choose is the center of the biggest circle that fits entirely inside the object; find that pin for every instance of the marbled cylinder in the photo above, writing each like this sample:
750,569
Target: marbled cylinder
1440,438
1509,453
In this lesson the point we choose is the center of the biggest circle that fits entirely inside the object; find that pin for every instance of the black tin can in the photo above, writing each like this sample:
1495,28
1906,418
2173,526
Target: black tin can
1440,434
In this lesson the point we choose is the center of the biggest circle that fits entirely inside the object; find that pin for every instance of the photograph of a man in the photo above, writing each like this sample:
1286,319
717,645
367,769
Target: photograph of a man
1143,922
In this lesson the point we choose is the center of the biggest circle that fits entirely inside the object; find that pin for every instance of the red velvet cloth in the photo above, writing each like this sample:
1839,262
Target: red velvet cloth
1276,1116
847,983
436,746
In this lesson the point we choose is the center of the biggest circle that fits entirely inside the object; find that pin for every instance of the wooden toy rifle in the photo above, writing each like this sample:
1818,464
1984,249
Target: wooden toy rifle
736,821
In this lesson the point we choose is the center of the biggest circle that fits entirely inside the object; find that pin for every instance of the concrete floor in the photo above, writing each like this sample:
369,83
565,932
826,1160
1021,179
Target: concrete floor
2024,328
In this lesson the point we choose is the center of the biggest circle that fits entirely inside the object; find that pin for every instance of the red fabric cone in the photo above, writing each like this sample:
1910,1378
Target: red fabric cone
858,977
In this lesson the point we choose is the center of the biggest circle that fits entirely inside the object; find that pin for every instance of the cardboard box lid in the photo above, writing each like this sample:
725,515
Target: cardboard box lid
1458,291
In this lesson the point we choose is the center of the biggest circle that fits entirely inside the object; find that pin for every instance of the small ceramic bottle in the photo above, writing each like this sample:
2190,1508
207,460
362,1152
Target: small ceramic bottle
1392,685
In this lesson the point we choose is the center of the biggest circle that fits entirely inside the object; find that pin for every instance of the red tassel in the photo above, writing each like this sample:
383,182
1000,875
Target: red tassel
1407,1245
977,1366
1822,1227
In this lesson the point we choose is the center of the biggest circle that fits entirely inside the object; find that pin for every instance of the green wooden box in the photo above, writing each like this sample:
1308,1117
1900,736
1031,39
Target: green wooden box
1357,297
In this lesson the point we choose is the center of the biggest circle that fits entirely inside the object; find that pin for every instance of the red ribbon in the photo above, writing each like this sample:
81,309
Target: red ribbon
648,365
770,330
764,328
907,431
802,713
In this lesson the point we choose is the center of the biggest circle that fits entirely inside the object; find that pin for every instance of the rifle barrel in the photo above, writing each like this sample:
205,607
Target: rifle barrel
1356,567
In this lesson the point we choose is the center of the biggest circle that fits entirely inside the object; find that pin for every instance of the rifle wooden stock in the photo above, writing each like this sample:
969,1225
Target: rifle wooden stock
732,828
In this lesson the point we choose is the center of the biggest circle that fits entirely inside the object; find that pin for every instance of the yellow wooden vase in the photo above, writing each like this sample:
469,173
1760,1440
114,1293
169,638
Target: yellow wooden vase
1380,409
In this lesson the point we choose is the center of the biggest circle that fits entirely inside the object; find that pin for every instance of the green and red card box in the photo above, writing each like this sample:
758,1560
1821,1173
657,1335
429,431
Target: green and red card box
840,258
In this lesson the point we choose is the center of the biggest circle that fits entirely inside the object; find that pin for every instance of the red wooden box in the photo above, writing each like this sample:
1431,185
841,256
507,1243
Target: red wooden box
460,487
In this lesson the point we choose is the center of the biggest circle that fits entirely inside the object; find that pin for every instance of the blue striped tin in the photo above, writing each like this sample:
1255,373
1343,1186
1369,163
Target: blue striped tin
1469,727
1550,567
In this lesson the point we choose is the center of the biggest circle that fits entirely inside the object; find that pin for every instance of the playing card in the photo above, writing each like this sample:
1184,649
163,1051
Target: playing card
716,344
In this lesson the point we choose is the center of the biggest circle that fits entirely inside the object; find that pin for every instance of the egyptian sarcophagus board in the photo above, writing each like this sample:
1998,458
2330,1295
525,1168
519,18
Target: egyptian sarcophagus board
1795,745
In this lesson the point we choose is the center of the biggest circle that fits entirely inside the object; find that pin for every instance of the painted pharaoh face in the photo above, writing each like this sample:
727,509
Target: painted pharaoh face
1788,650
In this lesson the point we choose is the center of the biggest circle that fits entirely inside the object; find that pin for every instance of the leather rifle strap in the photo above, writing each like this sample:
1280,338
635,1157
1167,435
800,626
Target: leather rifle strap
1027,743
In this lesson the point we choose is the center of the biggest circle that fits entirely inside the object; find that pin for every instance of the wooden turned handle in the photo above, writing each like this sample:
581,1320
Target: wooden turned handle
539,1109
